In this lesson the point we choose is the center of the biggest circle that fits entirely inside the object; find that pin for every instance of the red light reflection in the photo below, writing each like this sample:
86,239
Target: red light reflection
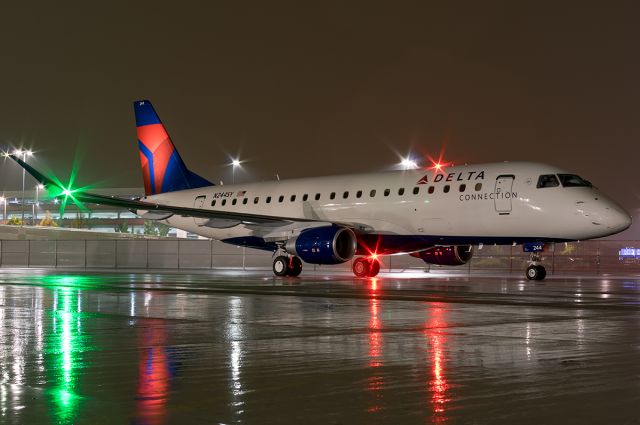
375,382
154,375
437,382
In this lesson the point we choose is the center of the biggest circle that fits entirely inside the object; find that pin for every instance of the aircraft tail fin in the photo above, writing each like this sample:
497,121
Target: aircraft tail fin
162,168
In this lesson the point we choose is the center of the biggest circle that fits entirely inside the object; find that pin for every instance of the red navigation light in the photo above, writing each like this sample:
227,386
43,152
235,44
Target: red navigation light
438,165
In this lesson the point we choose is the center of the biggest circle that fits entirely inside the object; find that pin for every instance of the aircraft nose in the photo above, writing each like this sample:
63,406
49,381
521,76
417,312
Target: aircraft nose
620,220
617,218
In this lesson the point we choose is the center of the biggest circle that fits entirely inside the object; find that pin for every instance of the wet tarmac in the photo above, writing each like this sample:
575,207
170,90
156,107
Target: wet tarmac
225,347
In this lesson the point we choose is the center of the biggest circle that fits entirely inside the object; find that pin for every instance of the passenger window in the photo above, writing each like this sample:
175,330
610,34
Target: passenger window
463,187
213,203
359,194
372,193
281,198
268,199
293,198
256,199
548,180
416,190
446,188
235,201
305,197
332,196
401,191
345,195
317,196
387,192
478,187
224,202
244,201
431,189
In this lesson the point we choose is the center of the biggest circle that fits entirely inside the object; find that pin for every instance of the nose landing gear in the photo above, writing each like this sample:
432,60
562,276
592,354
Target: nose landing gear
535,271
287,266
366,267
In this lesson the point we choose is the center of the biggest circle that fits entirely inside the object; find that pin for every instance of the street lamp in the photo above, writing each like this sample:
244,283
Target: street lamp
34,214
234,163
24,155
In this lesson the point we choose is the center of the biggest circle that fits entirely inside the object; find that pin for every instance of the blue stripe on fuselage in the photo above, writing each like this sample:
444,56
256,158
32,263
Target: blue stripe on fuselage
398,244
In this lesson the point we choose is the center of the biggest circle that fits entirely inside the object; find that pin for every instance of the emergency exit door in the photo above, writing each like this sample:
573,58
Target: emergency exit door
502,193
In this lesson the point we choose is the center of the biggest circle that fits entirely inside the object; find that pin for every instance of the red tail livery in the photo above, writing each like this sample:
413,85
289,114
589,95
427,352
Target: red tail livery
162,168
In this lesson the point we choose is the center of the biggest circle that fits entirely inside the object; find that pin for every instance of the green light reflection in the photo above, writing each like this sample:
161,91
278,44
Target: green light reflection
65,347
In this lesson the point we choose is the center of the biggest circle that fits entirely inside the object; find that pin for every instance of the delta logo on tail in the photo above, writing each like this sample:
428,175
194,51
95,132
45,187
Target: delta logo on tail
162,168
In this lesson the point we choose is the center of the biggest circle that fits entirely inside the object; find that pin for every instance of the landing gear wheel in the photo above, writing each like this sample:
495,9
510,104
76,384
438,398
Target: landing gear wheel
374,268
361,267
281,266
295,266
535,272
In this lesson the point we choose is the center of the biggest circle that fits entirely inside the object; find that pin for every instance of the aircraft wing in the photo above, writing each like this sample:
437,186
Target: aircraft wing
159,209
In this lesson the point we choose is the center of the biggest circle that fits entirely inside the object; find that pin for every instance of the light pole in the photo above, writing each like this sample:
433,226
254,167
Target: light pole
34,215
234,164
4,216
24,159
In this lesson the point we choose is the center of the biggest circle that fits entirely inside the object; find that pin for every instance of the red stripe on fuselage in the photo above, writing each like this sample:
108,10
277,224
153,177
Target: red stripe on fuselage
156,139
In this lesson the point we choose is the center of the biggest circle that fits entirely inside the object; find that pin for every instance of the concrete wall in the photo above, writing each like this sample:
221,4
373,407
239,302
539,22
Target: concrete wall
592,257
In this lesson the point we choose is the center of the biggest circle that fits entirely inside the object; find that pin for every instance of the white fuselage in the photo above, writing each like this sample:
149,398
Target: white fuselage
487,203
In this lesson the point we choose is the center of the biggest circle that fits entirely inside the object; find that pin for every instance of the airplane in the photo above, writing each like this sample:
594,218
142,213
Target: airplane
437,214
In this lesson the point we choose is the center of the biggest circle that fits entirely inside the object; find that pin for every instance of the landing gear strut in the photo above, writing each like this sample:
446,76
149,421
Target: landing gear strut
287,266
366,267
535,271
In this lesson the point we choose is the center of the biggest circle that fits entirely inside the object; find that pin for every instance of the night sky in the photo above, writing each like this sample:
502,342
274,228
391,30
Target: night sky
305,90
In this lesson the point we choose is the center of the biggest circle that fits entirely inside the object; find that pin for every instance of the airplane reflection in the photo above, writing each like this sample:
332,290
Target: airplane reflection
154,375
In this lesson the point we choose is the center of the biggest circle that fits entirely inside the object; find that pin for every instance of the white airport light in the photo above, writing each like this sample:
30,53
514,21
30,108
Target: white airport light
408,164
40,186
235,163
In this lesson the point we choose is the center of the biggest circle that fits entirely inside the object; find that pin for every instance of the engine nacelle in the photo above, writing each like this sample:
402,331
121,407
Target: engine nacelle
324,245
446,255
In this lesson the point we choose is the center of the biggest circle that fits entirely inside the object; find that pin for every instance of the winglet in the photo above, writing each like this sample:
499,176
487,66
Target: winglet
41,178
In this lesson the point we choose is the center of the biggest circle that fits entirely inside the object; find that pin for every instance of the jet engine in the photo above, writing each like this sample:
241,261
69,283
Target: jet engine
446,255
324,245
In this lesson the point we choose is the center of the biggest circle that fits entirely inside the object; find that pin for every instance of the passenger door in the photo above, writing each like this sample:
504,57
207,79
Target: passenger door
502,194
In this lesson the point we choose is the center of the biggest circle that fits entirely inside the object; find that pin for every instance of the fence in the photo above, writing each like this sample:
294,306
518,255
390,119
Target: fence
589,258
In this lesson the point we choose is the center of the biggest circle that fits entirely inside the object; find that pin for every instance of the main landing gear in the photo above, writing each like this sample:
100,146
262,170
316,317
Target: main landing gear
366,267
287,266
535,271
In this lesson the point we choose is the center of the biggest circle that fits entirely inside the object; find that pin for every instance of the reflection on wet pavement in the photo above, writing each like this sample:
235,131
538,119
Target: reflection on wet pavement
220,348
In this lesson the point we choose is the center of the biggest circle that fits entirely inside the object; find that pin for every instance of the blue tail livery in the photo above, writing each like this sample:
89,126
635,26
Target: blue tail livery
162,168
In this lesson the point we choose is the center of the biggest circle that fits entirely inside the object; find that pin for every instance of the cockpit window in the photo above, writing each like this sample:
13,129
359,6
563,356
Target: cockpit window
571,180
548,180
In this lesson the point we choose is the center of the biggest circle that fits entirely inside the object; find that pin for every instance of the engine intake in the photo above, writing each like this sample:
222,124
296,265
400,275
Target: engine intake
324,245
446,255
